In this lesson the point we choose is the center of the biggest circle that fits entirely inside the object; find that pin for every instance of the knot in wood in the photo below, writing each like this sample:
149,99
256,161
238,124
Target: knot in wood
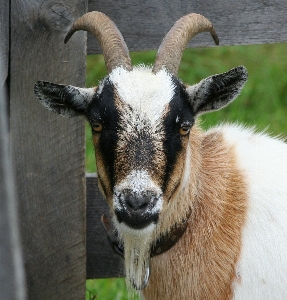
55,16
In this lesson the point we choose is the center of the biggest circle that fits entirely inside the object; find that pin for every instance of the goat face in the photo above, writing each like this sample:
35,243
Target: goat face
141,121
144,120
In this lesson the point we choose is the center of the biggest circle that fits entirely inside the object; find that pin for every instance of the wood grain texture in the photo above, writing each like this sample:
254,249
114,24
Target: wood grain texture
48,150
143,24
11,265
102,262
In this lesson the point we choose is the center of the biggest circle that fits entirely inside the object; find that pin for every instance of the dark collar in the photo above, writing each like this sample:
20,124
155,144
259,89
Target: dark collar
162,244
168,240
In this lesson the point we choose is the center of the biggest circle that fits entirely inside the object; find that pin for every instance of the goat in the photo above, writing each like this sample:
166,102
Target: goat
205,211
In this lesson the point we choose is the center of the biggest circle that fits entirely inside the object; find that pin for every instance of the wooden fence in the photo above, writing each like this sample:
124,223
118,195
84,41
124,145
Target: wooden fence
51,239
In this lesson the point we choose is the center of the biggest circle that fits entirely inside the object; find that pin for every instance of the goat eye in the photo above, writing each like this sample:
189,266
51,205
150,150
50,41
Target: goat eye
97,126
184,130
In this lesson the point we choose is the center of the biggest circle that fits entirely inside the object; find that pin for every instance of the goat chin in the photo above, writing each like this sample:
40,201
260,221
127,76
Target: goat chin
137,245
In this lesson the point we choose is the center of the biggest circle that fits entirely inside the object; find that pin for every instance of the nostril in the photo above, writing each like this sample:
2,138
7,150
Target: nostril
143,202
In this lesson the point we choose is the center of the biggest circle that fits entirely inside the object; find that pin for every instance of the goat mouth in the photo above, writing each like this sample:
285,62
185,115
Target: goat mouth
136,220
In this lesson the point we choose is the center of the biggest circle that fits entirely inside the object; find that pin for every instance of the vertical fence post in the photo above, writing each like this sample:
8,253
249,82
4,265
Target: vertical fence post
11,265
48,150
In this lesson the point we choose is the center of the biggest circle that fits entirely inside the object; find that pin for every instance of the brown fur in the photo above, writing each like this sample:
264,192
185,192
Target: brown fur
202,265
176,207
103,177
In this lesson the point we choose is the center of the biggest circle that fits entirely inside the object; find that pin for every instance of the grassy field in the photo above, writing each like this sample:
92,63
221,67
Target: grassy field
262,103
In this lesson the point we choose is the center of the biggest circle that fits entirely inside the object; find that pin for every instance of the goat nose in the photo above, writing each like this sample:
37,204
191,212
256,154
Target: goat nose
137,203
137,209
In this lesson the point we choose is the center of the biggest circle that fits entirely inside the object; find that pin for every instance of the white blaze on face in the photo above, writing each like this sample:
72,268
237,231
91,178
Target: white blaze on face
144,91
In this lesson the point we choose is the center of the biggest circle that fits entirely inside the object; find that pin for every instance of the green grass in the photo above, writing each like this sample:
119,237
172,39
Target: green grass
262,103
106,289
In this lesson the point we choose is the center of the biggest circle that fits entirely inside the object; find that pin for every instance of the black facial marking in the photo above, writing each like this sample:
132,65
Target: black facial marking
103,110
180,114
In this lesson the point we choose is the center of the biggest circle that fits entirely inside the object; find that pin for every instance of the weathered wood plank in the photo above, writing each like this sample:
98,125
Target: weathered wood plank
102,262
143,24
11,265
48,150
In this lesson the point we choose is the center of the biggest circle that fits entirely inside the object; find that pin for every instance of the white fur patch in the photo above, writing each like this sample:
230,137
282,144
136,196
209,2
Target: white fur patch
262,268
144,91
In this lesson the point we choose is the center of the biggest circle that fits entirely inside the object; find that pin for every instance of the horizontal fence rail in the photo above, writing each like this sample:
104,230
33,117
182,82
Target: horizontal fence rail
143,24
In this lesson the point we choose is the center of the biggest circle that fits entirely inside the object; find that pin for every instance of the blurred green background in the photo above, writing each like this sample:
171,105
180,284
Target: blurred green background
262,103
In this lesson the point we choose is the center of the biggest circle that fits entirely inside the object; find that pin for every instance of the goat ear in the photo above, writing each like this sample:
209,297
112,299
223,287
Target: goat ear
215,92
65,100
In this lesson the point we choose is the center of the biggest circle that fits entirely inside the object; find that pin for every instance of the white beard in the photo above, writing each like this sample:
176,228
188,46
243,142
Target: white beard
137,245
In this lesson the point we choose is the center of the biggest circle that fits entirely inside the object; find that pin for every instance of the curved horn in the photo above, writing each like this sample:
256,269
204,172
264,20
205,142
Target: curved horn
114,48
170,51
